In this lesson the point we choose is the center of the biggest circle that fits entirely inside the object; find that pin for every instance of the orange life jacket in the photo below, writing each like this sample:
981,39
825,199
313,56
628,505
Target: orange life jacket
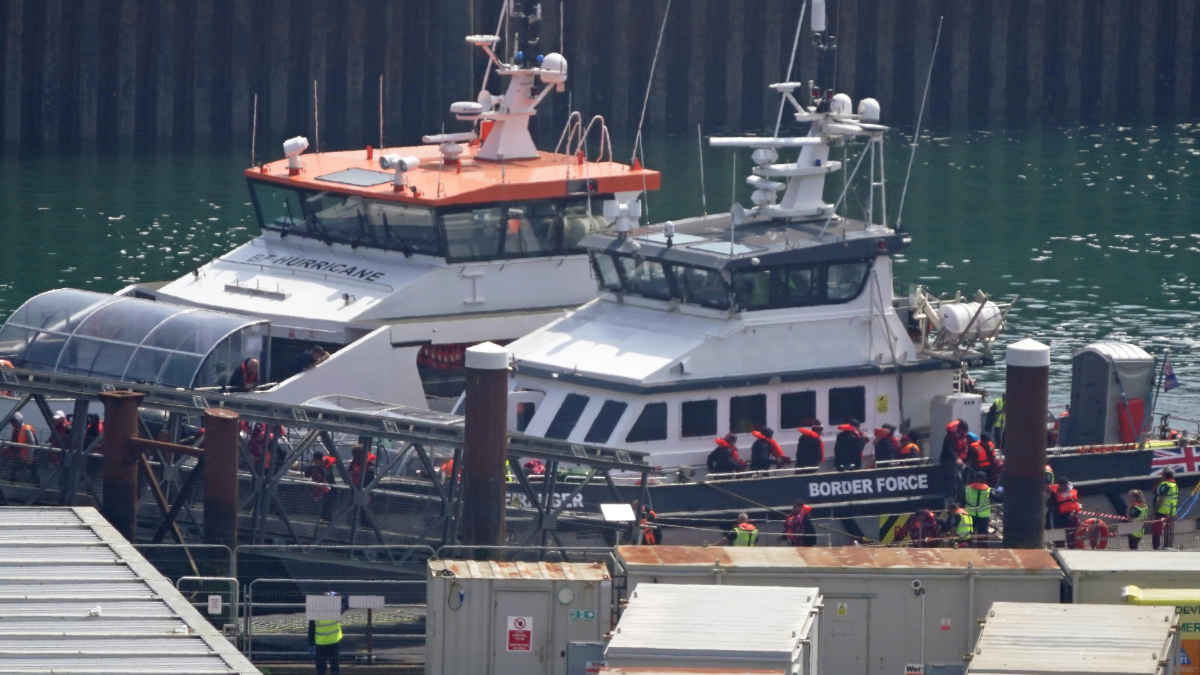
776,451
1068,503
982,456
909,451
731,447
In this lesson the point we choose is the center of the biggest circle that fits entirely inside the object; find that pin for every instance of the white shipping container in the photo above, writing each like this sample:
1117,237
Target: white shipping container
512,618
687,626
1097,577
1035,638
884,607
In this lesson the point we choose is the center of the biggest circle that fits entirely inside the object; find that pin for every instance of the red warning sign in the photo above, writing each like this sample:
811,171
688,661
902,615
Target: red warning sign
945,624
520,633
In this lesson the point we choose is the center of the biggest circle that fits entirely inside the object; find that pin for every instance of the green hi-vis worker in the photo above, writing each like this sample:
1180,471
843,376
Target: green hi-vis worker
324,636
1166,506
962,525
978,497
1136,513
743,534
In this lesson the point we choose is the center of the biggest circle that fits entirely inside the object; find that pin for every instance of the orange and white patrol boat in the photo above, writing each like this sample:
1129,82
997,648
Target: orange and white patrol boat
401,257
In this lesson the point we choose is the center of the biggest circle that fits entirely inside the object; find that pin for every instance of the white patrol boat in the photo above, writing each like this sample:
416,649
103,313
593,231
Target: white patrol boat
764,317
409,255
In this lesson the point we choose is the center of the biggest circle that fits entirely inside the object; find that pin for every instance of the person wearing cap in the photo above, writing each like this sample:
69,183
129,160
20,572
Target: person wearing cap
324,636
886,448
765,453
810,451
848,447
61,438
1166,506
1063,505
20,454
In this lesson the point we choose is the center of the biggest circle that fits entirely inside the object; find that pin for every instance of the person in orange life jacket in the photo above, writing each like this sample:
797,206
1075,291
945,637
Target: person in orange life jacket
260,439
765,453
810,451
742,534
357,452
1060,425
981,456
798,529
321,470
954,444
1063,505
20,455
847,449
909,448
724,458
922,528
651,534
886,447
245,377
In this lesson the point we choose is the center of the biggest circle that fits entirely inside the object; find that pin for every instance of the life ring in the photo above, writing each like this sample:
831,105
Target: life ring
1093,533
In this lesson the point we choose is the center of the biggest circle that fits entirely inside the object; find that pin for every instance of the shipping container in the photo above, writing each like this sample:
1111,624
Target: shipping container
759,628
1034,638
512,618
1186,603
1098,576
884,607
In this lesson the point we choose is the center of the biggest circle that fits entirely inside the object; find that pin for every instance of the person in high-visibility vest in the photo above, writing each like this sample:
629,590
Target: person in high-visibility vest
743,534
961,525
1166,506
979,505
324,635
1136,513
996,419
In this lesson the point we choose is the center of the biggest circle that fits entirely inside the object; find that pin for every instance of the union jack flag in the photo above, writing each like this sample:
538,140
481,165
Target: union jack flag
1182,460
1169,380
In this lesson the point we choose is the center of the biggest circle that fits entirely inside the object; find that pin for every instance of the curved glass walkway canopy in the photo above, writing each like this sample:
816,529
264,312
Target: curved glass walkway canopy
92,334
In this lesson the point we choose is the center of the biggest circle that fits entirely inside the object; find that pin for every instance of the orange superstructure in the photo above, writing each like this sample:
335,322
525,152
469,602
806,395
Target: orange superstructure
467,180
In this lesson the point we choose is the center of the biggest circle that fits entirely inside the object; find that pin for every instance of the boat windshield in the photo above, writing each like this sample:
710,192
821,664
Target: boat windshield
462,233
347,219
766,287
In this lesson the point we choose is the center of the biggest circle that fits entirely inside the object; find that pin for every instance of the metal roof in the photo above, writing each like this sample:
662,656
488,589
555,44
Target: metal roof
1116,351
1021,637
1187,562
726,670
76,598
489,569
840,559
693,622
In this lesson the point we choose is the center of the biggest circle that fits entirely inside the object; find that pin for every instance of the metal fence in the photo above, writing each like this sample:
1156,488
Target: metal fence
275,627
217,598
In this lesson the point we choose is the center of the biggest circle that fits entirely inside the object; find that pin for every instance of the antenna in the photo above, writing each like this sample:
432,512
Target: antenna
791,62
381,114
735,210
254,130
703,192
917,133
637,140
317,119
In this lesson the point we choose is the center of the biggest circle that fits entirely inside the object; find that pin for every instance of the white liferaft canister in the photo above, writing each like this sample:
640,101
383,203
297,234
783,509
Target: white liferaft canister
956,319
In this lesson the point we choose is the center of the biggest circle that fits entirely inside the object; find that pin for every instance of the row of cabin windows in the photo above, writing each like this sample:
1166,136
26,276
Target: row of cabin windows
752,288
461,234
699,418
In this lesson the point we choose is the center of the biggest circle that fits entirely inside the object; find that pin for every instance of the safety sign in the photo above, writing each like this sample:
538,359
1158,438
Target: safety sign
520,633
841,611
945,624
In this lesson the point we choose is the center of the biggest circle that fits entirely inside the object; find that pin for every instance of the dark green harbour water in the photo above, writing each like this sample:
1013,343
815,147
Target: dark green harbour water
1095,227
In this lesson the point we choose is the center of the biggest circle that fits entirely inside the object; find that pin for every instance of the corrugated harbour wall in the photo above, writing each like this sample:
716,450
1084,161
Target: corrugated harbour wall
187,71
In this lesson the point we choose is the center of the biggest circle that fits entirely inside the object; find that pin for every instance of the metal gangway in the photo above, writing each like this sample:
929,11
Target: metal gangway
410,495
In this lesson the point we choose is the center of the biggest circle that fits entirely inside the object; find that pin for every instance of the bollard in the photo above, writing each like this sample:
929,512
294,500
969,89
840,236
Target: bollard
485,445
120,476
1026,402
220,477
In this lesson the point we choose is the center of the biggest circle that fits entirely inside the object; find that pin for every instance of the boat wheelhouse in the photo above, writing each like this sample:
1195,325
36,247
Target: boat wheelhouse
421,251
768,317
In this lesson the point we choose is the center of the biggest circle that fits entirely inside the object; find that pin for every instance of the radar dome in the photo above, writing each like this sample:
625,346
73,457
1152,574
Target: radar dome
868,109
554,68
841,105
